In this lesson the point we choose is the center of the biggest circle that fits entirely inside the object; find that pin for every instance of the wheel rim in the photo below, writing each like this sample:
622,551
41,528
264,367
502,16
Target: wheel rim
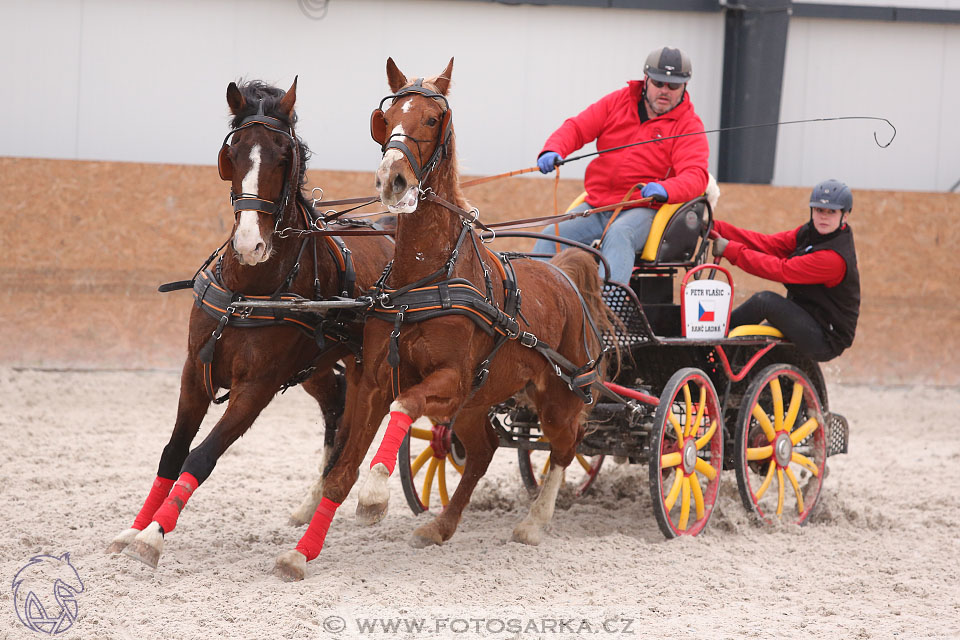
534,465
431,464
686,454
781,442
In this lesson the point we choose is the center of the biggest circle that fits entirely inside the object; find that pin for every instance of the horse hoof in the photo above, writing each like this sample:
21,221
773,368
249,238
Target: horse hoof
527,534
118,544
291,566
147,546
370,514
423,540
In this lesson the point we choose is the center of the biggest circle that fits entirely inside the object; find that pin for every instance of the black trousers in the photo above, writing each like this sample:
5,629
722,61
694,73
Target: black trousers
791,319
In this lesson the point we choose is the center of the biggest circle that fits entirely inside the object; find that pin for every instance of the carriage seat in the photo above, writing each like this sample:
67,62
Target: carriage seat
755,330
677,229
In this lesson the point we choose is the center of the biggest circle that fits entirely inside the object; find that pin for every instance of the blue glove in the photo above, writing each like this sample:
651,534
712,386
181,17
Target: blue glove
655,191
548,161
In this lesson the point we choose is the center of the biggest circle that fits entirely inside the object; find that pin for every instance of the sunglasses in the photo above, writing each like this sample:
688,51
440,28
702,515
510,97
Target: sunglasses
673,86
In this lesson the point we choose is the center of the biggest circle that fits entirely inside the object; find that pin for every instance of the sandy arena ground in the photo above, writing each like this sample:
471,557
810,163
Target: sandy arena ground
881,558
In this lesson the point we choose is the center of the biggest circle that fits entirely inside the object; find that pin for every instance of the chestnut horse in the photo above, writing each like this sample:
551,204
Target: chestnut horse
436,361
255,354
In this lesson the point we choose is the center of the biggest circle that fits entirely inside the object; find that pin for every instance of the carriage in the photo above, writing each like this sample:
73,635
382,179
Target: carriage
694,399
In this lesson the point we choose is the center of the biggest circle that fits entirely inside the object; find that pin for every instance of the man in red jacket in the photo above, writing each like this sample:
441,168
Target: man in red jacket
673,170
818,264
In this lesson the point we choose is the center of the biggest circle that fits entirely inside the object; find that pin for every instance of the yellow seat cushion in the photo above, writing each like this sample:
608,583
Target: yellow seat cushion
754,330
660,221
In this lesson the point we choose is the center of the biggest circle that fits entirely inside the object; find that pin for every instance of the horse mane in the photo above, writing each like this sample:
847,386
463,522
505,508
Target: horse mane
256,91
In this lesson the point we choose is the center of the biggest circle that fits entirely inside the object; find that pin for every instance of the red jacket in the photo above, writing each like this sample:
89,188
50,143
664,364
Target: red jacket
680,165
769,256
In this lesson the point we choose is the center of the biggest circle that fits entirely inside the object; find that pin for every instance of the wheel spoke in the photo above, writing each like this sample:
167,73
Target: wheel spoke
425,455
694,426
697,496
804,430
766,481
582,459
668,460
684,504
687,407
704,467
779,492
674,490
676,426
760,453
428,483
794,409
799,458
777,394
442,482
796,489
764,422
421,434
703,440
454,464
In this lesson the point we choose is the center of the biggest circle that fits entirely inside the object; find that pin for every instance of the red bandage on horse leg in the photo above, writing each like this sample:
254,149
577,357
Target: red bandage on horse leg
166,516
312,541
159,491
396,432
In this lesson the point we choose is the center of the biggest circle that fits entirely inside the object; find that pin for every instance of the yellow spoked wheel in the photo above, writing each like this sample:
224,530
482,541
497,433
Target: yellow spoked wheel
780,446
431,464
534,465
686,454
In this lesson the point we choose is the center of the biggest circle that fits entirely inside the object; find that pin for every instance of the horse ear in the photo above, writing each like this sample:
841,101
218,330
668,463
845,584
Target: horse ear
235,99
286,104
443,80
395,78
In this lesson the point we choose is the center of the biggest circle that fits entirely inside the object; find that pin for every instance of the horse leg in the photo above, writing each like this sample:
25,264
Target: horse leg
246,403
480,442
329,390
560,422
435,396
191,409
365,403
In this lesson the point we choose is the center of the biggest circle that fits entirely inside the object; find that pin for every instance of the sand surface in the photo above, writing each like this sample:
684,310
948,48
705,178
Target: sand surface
880,558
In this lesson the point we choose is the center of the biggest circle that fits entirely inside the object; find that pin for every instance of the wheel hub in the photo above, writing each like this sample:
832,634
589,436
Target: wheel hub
440,443
689,456
783,449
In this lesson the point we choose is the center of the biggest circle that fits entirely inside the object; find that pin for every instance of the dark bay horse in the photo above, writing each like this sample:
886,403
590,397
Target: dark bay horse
440,363
254,354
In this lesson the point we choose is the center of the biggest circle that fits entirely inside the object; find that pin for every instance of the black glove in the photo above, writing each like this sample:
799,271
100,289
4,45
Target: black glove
719,246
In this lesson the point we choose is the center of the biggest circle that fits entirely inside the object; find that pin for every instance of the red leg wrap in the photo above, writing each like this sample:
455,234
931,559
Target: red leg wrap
166,516
312,541
158,492
396,431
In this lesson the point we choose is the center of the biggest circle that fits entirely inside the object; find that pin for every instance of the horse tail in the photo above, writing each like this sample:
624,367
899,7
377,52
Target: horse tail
581,268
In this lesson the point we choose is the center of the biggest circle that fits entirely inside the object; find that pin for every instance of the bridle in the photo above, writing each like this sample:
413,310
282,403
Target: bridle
252,201
378,131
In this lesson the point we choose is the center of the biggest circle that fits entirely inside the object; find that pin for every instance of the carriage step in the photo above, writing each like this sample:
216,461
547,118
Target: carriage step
838,433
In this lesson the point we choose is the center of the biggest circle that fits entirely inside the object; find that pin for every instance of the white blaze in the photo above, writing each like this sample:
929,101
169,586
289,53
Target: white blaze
247,237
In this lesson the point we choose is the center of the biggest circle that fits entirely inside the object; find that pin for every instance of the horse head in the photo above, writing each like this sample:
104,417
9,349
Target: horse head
264,162
415,133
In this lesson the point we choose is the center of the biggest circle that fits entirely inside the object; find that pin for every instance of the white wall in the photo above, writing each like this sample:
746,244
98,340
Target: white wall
145,81
900,71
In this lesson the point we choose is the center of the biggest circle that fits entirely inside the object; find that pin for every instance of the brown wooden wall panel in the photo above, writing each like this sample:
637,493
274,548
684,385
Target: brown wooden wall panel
85,245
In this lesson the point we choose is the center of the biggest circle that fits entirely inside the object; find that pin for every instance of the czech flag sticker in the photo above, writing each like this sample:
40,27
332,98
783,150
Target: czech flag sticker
706,311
